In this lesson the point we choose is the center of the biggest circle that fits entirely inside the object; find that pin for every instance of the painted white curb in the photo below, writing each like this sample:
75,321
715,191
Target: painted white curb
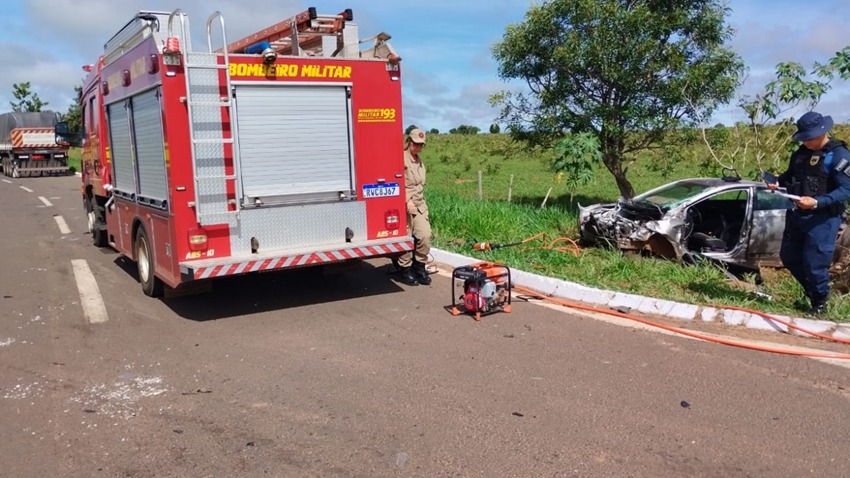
648,305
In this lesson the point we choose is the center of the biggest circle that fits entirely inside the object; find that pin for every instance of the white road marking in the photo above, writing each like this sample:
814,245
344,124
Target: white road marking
93,306
26,189
63,226
45,201
7,181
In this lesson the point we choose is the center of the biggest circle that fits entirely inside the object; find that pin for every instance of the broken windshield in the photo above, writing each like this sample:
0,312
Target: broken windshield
672,195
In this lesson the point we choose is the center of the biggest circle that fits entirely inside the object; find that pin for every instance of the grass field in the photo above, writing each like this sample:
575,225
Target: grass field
74,159
459,217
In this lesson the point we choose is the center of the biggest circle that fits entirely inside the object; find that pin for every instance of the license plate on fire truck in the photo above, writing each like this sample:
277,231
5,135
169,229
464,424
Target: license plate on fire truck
380,190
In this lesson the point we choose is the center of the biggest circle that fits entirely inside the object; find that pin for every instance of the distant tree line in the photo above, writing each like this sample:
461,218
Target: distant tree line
462,129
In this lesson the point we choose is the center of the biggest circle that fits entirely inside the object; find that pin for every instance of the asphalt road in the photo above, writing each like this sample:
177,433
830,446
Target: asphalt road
299,375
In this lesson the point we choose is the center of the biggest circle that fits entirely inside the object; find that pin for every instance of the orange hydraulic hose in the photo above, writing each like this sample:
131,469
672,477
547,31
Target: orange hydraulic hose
787,324
573,248
576,250
696,335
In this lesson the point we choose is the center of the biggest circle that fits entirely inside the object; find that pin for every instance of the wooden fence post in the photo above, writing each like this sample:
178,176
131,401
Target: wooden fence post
480,186
546,198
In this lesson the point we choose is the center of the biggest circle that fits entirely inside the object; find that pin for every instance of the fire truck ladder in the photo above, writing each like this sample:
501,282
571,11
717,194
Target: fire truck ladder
300,35
205,103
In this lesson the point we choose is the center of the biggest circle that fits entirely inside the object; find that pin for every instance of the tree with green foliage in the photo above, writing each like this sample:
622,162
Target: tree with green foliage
793,89
719,136
576,155
27,101
74,114
495,128
625,71
434,131
465,129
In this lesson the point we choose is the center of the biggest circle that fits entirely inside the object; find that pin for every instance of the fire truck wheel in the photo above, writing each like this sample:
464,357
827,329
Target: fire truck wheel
151,285
96,224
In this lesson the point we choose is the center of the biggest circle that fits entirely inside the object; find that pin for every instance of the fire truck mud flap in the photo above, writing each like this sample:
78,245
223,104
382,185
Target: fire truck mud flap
290,259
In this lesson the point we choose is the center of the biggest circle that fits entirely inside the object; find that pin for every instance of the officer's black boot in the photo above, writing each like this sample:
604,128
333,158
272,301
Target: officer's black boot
421,274
818,306
408,276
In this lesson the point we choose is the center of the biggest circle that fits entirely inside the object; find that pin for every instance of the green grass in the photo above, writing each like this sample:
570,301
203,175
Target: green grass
74,159
459,218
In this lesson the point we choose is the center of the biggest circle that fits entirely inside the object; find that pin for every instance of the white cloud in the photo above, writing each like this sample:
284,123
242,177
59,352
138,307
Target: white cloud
71,33
448,69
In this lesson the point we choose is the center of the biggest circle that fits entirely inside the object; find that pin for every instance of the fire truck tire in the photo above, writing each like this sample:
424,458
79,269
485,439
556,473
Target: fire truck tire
96,224
151,285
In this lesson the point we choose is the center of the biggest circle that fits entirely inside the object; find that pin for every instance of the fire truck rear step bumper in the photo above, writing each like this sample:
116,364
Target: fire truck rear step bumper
211,268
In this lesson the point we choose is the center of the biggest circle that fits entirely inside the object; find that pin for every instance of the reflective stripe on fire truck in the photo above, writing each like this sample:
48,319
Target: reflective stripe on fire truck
296,260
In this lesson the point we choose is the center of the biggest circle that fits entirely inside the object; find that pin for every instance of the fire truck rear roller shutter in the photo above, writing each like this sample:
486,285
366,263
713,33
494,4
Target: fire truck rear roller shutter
147,125
121,148
294,139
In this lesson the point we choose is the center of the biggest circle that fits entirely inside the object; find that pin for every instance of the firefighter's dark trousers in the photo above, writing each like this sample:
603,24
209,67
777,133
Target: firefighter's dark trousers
420,229
807,247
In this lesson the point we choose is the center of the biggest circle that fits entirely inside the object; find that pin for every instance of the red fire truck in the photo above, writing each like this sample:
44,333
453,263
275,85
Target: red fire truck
280,150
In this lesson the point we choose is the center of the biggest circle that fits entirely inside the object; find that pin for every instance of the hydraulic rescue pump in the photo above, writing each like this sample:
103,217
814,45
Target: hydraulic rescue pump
486,288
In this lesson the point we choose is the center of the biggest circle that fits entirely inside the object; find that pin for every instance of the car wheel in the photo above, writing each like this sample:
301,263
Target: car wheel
151,285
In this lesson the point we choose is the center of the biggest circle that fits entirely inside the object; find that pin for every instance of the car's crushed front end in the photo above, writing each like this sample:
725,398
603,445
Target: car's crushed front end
639,226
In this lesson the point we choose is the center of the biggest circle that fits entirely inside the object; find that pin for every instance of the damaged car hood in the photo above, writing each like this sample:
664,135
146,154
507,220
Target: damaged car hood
636,226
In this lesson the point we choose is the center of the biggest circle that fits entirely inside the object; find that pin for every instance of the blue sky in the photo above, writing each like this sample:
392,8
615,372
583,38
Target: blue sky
448,70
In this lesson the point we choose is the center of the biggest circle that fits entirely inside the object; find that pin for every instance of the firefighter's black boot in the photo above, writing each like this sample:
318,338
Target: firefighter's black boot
408,276
422,275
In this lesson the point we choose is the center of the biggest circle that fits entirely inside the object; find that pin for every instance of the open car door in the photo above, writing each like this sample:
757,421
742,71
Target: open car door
767,227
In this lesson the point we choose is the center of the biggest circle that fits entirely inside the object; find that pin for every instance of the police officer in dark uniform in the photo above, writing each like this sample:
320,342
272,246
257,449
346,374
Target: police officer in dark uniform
819,173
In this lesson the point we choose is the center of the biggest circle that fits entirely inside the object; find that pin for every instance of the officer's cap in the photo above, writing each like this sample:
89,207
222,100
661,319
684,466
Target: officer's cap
812,125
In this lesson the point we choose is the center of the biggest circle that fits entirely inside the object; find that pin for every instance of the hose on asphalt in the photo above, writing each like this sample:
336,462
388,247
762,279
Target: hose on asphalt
576,250
707,338
785,323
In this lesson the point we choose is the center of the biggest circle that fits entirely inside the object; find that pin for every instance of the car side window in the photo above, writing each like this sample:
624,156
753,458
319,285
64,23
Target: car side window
730,196
767,201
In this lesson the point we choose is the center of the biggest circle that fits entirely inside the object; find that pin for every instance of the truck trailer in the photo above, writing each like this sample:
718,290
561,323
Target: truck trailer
28,146
283,149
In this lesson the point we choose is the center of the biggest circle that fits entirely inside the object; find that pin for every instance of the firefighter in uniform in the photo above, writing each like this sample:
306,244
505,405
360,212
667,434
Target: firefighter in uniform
412,264
819,172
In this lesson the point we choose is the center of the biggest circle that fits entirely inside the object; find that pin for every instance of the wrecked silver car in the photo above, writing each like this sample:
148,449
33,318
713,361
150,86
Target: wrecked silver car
728,220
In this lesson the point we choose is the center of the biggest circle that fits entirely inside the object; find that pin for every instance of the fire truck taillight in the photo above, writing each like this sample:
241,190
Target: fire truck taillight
391,219
197,239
